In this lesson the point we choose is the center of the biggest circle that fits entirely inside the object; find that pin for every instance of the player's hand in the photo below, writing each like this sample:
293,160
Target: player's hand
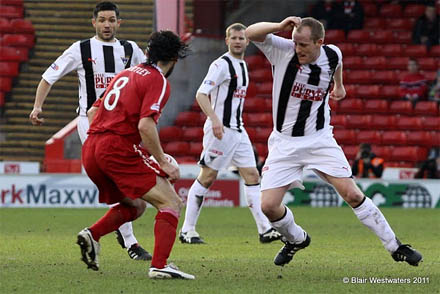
289,23
171,170
217,128
338,93
34,116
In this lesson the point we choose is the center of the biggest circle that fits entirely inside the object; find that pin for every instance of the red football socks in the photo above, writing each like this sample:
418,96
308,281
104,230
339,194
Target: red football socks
112,220
164,236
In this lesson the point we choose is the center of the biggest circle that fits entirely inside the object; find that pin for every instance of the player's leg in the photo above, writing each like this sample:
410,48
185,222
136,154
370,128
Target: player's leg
194,203
168,204
371,216
252,192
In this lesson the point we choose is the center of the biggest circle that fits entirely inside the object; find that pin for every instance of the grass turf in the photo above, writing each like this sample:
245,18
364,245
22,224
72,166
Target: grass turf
38,254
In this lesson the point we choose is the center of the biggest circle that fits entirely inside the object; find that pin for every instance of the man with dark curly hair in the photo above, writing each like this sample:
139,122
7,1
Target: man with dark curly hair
116,155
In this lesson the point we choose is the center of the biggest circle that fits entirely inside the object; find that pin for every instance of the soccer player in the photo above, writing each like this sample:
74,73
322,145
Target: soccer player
122,136
221,97
303,71
96,60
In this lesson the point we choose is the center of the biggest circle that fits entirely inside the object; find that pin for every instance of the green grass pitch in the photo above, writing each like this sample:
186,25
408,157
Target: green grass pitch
38,254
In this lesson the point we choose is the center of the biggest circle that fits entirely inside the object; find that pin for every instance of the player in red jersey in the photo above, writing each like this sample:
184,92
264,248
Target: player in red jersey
116,154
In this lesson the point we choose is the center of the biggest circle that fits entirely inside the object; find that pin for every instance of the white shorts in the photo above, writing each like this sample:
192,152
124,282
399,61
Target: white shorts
288,156
234,148
83,127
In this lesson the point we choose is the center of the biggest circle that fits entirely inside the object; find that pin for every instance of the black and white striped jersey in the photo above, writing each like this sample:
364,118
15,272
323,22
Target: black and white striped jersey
300,92
226,82
103,60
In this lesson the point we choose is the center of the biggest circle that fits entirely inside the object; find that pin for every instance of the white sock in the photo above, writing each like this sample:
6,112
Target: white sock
194,204
127,234
254,203
289,229
372,217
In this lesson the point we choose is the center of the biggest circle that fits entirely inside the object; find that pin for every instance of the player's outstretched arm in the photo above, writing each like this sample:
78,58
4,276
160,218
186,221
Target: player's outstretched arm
338,91
258,31
150,141
205,105
43,90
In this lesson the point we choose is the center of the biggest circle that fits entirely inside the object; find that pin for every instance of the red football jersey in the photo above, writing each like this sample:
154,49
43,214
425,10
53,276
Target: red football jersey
138,92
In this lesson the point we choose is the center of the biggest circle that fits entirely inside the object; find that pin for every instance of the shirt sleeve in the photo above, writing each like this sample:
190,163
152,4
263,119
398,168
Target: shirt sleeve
70,60
138,54
154,98
338,52
218,72
275,48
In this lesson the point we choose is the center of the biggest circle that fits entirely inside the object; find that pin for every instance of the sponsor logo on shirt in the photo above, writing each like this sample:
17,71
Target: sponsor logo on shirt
215,151
208,82
124,60
102,81
155,107
239,93
302,91
54,66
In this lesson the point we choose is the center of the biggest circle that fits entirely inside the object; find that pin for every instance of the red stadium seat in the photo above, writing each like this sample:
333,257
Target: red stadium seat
185,159
251,90
382,151
394,138
5,25
383,122
411,153
18,40
376,106
169,134
370,9
177,148
414,10
261,149
346,48
334,36
389,92
351,90
401,107
262,135
356,121
195,106
415,50
382,36
391,50
398,62
374,62
353,62
431,123
435,51
384,77
350,151
366,50
258,120
358,36
189,118
255,105
255,61
410,123
345,136
264,89
391,11
2,98
338,121
261,75
426,108
428,63
13,2
431,75
423,138
23,26
369,136
5,84
8,69
403,24
374,24
192,134
351,105
369,92
358,77
334,105
11,11
402,37
195,148
13,54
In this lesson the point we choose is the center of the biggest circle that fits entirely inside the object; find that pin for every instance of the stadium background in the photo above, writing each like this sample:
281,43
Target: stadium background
34,33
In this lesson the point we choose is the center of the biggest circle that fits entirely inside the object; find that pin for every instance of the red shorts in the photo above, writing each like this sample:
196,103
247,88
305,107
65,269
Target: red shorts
118,167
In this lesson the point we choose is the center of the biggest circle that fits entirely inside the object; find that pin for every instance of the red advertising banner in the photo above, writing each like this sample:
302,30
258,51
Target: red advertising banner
221,193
